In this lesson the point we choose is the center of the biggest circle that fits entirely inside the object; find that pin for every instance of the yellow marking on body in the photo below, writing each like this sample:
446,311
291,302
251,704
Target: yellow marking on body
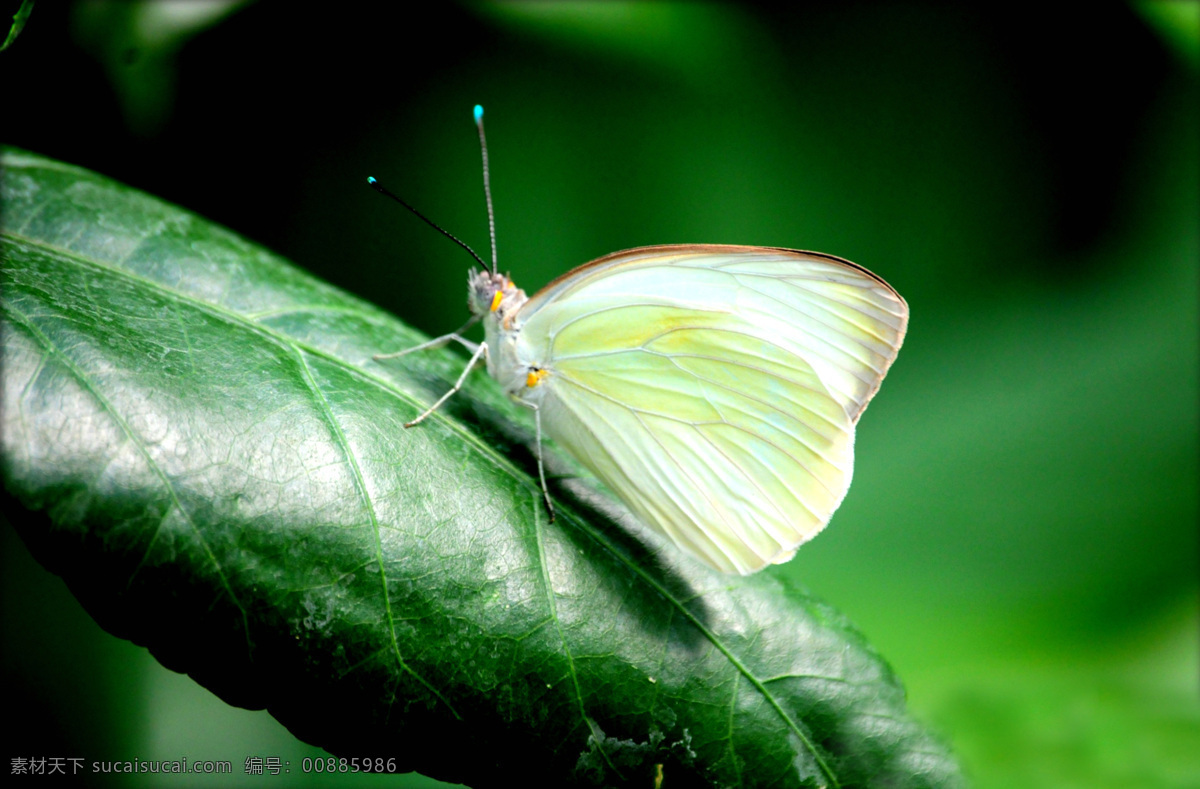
496,299
535,377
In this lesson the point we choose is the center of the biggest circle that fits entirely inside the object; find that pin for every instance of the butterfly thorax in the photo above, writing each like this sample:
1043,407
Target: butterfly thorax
497,300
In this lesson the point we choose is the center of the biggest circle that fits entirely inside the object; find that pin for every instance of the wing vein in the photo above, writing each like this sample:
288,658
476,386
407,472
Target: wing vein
798,462
668,528
672,357
797,282
637,411
823,308
642,348
700,490
553,335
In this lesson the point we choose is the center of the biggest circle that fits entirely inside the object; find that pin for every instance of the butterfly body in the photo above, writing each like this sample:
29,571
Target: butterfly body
715,389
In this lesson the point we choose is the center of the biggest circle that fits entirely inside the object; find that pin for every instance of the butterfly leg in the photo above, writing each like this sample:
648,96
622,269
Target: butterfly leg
537,423
456,336
480,352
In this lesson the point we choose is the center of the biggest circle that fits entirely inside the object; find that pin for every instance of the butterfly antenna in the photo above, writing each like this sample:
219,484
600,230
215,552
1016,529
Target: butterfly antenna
378,187
487,186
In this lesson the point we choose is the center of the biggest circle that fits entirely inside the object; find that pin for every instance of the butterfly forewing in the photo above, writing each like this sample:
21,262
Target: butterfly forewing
715,389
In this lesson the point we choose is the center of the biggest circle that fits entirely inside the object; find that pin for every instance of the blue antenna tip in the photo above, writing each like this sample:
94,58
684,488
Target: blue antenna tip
478,113
370,179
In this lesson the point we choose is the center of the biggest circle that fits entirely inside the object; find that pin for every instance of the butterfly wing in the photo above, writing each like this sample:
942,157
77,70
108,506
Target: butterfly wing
715,389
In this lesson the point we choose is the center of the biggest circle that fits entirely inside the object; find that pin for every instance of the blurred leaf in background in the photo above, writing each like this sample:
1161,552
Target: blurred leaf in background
19,18
1020,541
137,44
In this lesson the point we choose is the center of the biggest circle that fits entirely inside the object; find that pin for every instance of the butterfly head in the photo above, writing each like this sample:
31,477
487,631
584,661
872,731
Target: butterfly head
491,294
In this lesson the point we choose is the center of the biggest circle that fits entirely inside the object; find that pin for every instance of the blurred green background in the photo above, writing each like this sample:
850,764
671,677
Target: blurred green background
1021,538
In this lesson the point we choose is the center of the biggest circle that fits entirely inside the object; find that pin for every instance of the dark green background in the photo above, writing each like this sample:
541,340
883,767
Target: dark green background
1020,541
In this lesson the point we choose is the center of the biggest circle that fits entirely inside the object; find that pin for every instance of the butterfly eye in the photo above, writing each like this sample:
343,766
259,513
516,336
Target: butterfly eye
496,299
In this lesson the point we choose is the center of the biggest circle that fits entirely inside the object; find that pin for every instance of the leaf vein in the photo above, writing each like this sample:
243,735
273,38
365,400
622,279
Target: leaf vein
360,485
84,381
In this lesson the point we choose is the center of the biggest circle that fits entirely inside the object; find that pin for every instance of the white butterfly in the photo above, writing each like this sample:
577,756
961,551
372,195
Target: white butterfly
715,389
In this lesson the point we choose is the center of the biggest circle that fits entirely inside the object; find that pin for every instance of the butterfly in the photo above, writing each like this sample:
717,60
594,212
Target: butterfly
714,388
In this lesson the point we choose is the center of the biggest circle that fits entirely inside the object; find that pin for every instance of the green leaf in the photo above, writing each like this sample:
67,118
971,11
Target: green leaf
18,23
225,479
